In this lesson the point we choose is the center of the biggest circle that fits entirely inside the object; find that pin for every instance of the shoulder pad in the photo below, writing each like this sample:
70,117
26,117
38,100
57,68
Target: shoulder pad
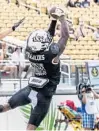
54,48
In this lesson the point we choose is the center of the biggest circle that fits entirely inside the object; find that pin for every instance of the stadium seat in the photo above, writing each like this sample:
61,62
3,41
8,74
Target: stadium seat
10,13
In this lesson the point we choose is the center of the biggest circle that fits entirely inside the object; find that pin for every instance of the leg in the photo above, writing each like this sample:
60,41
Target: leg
88,121
4,108
20,71
13,71
31,127
39,111
18,99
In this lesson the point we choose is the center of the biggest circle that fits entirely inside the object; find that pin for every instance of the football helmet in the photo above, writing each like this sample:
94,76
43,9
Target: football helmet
39,40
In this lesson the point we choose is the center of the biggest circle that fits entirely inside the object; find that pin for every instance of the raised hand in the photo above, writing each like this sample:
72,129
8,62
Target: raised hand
17,24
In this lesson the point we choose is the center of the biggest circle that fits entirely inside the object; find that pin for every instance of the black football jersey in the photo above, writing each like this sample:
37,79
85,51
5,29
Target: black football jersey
42,63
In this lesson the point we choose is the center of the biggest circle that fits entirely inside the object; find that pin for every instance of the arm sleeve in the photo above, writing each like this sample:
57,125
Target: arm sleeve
52,26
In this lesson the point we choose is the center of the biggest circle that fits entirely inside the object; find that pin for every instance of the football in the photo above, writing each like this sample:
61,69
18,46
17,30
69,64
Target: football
56,12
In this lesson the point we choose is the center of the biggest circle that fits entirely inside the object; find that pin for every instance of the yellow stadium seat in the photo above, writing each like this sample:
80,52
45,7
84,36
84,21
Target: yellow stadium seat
74,42
44,9
78,47
75,57
13,1
83,49
91,57
34,4
67,52
76,20
70,47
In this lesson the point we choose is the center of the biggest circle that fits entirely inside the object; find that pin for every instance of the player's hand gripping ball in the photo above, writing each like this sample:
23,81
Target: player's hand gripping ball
56,12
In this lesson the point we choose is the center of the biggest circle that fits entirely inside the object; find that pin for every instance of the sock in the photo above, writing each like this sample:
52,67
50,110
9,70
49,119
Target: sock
1,108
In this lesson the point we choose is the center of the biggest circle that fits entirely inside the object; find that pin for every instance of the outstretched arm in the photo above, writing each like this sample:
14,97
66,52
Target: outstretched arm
63,39
91,28
7,32
64,35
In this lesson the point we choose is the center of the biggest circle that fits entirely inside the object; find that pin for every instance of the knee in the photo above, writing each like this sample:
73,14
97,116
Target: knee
31,127
4,108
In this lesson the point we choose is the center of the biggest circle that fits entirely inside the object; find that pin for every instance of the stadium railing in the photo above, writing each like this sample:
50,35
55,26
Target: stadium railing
10,85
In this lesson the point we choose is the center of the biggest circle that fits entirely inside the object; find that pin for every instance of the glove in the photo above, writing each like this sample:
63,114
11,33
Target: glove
56,12
17,24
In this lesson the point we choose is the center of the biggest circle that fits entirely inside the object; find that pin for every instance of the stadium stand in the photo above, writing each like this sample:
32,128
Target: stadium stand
37,18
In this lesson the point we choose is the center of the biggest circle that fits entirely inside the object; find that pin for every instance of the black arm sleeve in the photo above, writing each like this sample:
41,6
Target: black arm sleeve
51,29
